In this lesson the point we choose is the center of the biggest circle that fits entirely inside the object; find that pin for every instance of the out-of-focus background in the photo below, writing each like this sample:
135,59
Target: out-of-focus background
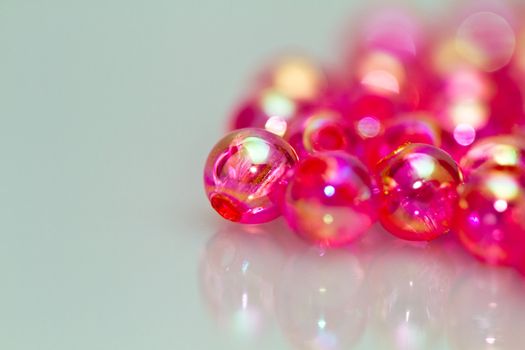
107,112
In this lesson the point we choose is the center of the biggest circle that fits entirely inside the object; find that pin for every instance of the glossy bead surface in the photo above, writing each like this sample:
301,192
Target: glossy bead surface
268,109
330,199
320,130
491,216
409,128
506,151
418,192
246,173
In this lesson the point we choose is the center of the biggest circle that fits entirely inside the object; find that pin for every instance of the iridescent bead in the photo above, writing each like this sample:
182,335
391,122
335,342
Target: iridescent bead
268,109
506,151
330,199
246,173
415,127
491,216
418,192
295,76
320,130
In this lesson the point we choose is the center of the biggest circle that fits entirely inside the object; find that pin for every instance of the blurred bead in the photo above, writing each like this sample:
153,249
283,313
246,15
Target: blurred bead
320,130
505,151
246,173
418,189
270,110
330,199
410,128
491,216
296,77
490,39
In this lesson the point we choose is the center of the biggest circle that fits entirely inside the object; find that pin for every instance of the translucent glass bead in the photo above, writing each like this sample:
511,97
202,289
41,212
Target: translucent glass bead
418,192
505,151
268,109
491,216
320,130
246,174
330,199
415,127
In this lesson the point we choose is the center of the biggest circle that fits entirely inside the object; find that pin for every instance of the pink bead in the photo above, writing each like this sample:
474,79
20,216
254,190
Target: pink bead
491,216
268,109
410,128
330,199
505,151
320,130
418,192
246,173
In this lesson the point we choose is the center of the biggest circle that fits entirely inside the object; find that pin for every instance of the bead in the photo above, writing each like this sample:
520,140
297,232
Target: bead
320,130
269,109
499,151
246,173
418,192
297,77
491,216
416,127
330,199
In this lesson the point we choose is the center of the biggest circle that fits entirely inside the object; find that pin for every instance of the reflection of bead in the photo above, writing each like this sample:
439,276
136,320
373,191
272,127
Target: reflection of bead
418,189
246,173
330,199
322,130
491,216
319,299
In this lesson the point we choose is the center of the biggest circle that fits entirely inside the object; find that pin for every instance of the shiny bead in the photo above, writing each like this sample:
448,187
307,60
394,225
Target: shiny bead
246,173
506,151
330,199
268,109
409,128
491,216
418,192
320,130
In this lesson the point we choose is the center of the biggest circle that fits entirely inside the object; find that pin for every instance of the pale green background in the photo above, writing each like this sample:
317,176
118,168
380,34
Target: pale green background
107,111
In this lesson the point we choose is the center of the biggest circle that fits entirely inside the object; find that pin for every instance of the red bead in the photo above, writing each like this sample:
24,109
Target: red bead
409,128
320,130
505,151
269,109
491,216
418,192
246,173
330,199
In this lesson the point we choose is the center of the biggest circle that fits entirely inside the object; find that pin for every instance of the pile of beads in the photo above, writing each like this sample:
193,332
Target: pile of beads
425,139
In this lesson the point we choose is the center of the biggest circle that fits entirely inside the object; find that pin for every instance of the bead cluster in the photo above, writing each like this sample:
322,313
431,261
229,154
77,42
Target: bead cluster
426,139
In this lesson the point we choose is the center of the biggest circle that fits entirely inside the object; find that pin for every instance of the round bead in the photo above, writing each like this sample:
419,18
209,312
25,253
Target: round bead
321,130
246,174
410,128
491,216
330,199
418,192
295,76
269,109
499,151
